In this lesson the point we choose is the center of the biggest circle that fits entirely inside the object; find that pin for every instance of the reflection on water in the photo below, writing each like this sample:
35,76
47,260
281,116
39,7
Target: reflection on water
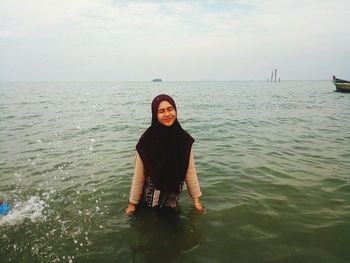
163,235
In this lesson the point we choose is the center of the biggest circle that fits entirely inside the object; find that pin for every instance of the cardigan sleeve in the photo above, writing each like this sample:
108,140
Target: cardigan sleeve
137,181
191,179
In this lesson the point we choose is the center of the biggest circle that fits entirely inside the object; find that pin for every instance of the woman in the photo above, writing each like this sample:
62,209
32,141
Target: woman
164,161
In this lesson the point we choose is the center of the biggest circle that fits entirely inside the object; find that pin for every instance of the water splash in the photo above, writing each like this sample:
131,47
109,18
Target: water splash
31,209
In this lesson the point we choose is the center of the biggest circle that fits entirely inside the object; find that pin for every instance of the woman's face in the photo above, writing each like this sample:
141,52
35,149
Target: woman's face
166,113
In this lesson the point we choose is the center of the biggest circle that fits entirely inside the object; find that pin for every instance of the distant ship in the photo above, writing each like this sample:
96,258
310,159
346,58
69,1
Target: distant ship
157,80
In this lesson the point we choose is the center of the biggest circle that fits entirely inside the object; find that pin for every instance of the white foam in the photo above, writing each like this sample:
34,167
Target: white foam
31,209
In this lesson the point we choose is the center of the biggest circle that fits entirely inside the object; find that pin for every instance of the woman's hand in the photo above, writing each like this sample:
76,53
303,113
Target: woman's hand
198,205
130,209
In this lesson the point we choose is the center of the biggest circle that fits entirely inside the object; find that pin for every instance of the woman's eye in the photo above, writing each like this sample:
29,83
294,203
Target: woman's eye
161,111
170,109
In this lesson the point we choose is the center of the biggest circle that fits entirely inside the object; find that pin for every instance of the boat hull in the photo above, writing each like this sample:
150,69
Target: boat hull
341,85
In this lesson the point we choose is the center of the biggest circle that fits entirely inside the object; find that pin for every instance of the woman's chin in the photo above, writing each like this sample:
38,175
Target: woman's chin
168,123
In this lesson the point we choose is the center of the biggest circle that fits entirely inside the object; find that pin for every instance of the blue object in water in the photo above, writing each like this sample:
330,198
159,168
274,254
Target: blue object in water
4,209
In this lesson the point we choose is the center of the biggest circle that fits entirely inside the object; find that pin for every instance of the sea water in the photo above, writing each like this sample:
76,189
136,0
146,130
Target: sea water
273,161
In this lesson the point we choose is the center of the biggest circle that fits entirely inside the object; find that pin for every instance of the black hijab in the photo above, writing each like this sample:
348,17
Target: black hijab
165,151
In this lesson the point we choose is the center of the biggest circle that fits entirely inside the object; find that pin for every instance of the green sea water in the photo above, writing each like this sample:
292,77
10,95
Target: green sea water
273,161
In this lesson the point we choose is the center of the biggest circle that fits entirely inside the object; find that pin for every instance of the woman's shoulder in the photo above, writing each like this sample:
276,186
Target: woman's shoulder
146,134
145,138
188,137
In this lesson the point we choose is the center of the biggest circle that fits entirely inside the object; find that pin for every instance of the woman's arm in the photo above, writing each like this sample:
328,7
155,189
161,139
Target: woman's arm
192,183
136,185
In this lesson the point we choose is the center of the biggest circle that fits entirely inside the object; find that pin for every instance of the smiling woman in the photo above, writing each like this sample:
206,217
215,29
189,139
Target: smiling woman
166,113
164,161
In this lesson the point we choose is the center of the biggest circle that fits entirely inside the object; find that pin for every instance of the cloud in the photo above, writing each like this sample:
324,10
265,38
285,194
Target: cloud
208,35
96,18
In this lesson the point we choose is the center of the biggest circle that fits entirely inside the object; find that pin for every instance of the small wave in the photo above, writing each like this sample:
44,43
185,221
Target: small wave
31,209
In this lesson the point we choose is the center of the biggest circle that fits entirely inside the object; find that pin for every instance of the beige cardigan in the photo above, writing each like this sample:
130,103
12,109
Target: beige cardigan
138,180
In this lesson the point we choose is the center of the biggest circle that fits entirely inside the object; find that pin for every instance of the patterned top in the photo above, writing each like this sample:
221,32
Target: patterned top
153,197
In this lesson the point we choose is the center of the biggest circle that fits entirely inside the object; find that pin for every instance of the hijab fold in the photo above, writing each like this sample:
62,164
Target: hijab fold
165,151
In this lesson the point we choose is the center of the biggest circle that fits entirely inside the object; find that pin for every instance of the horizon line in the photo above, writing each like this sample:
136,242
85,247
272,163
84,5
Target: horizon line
150,81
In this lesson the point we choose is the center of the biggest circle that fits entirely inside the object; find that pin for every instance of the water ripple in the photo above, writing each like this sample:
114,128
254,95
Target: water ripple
272,160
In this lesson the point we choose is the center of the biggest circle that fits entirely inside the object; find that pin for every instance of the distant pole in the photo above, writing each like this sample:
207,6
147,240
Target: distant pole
271,75
275,74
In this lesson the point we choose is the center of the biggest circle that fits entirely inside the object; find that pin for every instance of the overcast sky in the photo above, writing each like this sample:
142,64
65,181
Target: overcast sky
103,40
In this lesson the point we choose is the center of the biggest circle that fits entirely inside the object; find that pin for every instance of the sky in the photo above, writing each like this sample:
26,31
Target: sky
109,40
